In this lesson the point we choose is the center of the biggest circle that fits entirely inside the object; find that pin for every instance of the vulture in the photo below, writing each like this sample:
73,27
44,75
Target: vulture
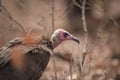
25,58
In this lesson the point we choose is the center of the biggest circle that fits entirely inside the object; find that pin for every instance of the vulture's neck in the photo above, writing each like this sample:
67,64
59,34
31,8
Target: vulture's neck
46,41
55,45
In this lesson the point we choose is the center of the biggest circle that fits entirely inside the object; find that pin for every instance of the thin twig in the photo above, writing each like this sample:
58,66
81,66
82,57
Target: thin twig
53,16
54,67
37,22
52,32
63,14
32,28
66,75
9,15
70,68
103,22
86,34
0,5
78,5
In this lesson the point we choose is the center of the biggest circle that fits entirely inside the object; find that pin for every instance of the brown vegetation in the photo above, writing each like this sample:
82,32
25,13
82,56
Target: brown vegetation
95,22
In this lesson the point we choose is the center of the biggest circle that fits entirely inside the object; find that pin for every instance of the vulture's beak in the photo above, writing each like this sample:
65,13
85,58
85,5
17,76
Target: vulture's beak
75,39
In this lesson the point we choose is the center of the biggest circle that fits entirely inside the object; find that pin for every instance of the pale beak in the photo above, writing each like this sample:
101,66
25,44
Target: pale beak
75,39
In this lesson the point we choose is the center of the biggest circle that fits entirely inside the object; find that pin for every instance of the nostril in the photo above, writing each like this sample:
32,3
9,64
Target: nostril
65,34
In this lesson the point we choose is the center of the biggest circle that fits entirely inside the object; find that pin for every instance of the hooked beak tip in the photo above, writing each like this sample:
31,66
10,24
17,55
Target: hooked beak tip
75,39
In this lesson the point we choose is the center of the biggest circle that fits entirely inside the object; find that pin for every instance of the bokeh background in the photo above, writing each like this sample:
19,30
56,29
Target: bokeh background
21,17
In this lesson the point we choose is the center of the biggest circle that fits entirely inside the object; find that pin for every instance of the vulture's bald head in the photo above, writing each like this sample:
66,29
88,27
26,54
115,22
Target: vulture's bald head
61,35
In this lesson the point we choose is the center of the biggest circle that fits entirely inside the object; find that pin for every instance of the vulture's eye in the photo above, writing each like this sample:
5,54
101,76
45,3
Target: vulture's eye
65,34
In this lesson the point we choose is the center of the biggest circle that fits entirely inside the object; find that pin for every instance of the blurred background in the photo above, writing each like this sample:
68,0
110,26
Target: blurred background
21,17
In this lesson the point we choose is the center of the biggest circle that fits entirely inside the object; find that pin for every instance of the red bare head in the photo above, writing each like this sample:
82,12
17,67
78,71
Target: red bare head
61,35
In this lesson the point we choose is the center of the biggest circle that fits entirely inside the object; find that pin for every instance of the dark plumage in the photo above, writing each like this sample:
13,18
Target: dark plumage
35,62
21,60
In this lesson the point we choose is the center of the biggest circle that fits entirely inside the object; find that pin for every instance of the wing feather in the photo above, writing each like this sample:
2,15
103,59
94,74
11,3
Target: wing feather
36,59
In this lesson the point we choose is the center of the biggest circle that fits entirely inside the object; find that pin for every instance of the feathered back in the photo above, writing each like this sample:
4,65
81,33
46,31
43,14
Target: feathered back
24,61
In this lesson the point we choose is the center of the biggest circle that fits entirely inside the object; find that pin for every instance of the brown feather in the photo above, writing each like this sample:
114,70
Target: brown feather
21,61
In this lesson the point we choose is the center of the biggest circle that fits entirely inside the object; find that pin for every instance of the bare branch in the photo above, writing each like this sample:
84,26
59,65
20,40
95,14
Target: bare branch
10,17
27,10
0,5
63,14
78,5
103,22
70,68
53,60
83,17
32,28
82,57
53,16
